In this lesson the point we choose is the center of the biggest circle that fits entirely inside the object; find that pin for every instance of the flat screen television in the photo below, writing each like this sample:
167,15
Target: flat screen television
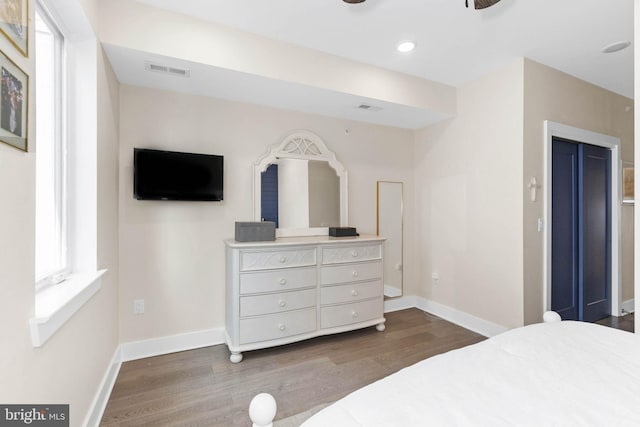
171,175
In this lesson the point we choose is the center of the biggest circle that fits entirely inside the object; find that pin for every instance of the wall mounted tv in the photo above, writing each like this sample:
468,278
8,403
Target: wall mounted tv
171,175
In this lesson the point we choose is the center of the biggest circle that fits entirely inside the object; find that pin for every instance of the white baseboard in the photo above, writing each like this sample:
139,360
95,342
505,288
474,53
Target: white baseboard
460,318
99,404
171,344
629,306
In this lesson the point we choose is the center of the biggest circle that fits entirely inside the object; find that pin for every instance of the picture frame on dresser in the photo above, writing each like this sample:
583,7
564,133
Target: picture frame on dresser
14,95
14,23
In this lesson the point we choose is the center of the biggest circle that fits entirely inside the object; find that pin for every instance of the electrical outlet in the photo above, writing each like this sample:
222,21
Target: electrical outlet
435,278
138,306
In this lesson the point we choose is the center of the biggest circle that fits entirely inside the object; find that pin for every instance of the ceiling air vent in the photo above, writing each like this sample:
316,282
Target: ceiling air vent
368,107
180,72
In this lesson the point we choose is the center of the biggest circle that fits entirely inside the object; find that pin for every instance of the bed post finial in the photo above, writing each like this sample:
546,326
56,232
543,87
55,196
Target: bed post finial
262,410
551,316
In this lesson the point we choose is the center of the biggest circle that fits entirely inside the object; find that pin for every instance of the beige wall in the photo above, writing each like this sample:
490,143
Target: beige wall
555,96
70,366
469,201
172,253
467,216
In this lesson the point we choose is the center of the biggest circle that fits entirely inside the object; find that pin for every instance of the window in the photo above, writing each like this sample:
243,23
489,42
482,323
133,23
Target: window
51,210
66,165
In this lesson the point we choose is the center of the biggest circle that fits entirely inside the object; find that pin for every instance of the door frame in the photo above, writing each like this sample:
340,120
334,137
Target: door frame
551,130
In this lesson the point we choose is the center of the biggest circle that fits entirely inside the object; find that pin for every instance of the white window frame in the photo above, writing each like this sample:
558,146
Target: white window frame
60,150
55,305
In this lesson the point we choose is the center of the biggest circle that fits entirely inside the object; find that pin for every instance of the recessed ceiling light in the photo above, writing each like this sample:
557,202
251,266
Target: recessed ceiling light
616,47
406,46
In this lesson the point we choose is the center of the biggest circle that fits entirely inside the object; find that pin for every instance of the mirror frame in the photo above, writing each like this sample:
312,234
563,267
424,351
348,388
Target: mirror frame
304,145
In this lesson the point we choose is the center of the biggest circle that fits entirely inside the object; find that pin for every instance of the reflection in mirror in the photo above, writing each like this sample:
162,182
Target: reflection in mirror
298,193
324,195
389,212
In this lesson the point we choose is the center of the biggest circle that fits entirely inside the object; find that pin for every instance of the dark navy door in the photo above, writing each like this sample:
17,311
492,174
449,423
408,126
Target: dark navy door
595,232
564,229
581,231
269,194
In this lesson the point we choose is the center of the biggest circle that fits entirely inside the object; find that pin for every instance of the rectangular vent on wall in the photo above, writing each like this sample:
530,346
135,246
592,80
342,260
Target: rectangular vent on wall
180,72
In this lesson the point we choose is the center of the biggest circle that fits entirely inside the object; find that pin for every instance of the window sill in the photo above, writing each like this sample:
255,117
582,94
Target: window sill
56,304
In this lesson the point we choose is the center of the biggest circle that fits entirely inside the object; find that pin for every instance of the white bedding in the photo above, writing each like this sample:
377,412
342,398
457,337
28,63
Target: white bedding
549,374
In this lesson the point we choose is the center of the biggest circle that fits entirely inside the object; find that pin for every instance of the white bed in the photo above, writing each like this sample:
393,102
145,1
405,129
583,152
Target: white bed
549,374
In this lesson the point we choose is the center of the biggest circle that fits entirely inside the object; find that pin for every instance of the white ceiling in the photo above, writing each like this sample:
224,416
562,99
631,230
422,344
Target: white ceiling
454,44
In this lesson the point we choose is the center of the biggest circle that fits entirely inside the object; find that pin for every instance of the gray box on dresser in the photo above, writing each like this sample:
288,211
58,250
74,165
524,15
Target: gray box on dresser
255,231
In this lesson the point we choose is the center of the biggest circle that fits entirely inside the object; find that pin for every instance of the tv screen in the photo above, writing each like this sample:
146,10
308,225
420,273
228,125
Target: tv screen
170,175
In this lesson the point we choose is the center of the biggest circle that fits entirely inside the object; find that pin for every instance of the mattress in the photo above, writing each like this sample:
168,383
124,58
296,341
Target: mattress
549,374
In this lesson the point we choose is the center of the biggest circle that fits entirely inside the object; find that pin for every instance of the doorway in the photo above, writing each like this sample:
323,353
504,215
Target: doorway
611,146
581,230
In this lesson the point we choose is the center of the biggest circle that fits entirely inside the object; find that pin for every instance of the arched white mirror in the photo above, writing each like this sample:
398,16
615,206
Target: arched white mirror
389,225
301,186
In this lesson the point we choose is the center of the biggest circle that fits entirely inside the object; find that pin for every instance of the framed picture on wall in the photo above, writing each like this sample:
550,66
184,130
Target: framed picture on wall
14,18
14,88
628,189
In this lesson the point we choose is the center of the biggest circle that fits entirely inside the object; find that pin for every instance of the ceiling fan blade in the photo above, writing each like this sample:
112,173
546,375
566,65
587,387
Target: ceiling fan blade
482,4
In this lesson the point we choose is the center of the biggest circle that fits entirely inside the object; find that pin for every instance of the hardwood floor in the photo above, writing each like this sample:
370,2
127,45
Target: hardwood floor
624,322
202,388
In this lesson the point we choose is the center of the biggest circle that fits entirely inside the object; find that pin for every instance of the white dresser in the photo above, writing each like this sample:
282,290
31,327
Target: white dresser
301,287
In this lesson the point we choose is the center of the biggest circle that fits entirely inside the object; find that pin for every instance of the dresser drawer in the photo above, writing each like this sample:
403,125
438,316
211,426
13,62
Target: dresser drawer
256,305
277,280
350,272
346,314
280,325
269,259
338,255
351,292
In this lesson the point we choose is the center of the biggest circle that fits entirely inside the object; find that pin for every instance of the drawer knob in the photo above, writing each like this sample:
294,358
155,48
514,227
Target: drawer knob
355,274
354,293
354,253
283,259
354,314
282,327
282,303
283,281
